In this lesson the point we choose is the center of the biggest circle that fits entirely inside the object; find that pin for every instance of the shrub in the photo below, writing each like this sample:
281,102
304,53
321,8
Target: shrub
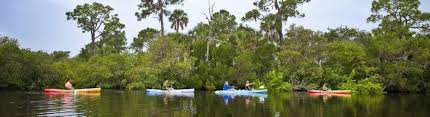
136,86
276,81
364,86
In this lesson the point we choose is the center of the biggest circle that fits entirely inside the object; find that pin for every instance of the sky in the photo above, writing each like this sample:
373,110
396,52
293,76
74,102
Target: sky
42,24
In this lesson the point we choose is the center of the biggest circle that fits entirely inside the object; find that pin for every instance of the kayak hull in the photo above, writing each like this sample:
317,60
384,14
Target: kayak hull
240,92
263,95
89,90
170,91
329,95
331,91
69,94
170,94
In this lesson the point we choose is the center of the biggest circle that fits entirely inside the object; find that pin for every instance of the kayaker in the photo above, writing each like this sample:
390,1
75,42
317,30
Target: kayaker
68,84
248,85
324,87
167,85
227,86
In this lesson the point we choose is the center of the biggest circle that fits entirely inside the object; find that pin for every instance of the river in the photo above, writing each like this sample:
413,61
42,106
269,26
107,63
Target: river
119,103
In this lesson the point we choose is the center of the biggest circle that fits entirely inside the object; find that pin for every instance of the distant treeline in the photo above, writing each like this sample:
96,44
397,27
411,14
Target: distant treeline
393,57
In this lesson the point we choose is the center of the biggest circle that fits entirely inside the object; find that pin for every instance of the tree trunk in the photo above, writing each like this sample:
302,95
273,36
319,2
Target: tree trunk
93,40
161,16
279,20
207,49
93,37
280,35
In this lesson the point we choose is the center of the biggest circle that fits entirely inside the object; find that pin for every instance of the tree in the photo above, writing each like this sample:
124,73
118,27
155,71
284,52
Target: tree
145,36
91,17
346,33
254,14
178,19
399,16
158,7
282,9
113,38
60,55
222,22
269,25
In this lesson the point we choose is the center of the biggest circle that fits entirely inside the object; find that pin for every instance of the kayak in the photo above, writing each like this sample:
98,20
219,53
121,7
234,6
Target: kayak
89,90
331,91
329,95
170,91
69,94
263,95
240,92
170,94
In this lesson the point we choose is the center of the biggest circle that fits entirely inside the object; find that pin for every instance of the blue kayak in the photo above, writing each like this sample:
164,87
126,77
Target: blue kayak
241,92
170,91
170,94
263,95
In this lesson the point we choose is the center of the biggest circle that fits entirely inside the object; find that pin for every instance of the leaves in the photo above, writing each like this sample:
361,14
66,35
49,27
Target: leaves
178,19
143,38
91,17
157,7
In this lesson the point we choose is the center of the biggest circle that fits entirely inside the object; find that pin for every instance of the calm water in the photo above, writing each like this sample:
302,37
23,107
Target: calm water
111,103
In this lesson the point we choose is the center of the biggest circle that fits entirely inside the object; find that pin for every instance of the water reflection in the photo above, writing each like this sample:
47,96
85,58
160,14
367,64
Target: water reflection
247,97
325,97
114,103
63,104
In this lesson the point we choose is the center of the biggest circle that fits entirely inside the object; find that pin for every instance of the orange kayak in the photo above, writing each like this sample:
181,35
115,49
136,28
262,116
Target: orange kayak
331,91
90,90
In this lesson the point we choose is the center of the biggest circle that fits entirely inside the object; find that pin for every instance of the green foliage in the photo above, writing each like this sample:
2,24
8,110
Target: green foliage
277,11
113,38
60,55
399,18
275,81
393,57
368,85
178,19
157,7
24,69
365,86
252,15
222,22
90,17
136,86
209,86
143,38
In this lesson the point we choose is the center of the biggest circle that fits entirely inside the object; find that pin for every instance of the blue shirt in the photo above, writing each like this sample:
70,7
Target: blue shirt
226,87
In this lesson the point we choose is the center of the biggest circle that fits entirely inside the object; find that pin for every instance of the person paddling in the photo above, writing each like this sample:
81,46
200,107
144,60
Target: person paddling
227,86
69,85
325,88
248,85
167,85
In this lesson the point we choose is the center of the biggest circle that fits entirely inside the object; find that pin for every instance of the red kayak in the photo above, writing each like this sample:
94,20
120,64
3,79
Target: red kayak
91,90
329,94
331,91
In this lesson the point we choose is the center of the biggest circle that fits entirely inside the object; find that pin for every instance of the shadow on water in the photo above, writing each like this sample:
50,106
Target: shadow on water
113,103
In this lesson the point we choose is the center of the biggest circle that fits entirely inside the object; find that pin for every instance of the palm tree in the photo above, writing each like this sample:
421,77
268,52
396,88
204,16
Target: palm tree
179,19
158,7
269,25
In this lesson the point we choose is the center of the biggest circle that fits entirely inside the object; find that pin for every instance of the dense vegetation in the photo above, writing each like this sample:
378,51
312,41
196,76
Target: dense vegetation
395,56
